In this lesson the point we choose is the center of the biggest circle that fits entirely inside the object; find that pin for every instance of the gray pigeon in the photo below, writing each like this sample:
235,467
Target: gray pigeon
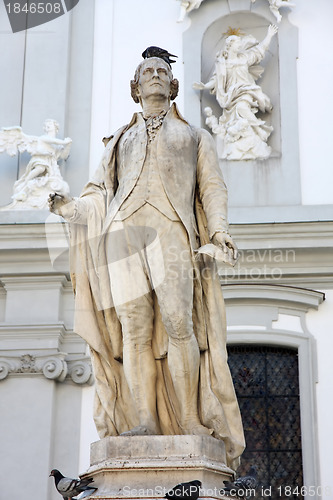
70,488
241,484
153,51
185,491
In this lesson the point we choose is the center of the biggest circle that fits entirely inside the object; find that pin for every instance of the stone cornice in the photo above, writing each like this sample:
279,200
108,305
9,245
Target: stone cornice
281,214
314,234
24,250
295,254
47,336
301,234
57,281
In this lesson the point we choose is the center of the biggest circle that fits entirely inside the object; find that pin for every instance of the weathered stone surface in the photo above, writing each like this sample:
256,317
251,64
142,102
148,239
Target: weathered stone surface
159,348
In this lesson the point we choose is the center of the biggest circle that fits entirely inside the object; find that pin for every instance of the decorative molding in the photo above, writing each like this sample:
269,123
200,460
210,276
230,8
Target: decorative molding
296,254
289,234
80,371
32,236
46,336
53,281
299,299
266,309
53,367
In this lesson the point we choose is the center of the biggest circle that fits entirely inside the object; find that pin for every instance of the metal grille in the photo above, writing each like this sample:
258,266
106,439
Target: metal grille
267,388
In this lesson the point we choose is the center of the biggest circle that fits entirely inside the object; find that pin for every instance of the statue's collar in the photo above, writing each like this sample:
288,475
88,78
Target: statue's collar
137,118
173,112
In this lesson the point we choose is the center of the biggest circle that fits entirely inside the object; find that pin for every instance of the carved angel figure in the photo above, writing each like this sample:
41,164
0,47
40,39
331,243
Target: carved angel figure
212,121
186,7
243,135
42,174
275,5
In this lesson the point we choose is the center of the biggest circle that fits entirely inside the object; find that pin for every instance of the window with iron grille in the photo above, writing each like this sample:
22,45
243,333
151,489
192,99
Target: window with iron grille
267,388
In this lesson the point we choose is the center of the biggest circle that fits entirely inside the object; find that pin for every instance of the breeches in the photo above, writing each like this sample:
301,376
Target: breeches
151,255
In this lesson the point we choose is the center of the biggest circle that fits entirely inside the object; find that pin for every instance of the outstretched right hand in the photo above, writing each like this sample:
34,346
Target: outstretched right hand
272,30
56,201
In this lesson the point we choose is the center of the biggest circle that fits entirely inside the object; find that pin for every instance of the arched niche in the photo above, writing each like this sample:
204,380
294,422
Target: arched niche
274,182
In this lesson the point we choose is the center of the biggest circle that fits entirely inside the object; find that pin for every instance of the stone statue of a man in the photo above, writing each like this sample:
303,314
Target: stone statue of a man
150,309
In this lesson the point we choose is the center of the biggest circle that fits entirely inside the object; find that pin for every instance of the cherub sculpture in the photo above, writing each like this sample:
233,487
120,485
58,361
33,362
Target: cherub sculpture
42,174
186,7
275,5
243,134
212,121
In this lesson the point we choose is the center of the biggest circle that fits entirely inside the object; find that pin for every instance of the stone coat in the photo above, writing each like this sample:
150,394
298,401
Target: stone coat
186,159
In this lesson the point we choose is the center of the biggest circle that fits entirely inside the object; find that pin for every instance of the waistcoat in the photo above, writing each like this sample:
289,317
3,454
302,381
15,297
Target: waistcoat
148,189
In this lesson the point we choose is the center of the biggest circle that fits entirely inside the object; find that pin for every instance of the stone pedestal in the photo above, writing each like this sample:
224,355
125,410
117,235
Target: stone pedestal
146,467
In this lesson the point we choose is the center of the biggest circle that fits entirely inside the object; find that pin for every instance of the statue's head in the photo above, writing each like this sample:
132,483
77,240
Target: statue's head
208,111
51,125
153,75
234,42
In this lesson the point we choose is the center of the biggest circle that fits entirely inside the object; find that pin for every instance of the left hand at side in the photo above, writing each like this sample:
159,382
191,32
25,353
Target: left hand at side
225,242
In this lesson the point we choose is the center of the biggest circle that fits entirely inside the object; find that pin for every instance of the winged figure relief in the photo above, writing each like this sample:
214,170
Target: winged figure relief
42,174
187,6
275,5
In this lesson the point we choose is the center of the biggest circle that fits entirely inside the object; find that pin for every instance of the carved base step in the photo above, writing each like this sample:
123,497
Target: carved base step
146,467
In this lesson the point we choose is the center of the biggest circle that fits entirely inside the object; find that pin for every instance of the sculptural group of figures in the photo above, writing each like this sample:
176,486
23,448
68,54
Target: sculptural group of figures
240,133
241,130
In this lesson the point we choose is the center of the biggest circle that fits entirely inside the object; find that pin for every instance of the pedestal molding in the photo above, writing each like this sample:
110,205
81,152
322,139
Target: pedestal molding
134,467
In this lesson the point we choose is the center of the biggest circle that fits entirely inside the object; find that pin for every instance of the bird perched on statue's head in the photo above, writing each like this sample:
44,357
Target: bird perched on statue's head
185,491
153,51
242,484
70,488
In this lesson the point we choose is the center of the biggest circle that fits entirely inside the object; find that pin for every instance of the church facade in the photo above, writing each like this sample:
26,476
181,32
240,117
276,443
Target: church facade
76,70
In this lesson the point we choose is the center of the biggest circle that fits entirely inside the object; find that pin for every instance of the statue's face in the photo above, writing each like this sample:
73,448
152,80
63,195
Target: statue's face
233,43
155,78
50,127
